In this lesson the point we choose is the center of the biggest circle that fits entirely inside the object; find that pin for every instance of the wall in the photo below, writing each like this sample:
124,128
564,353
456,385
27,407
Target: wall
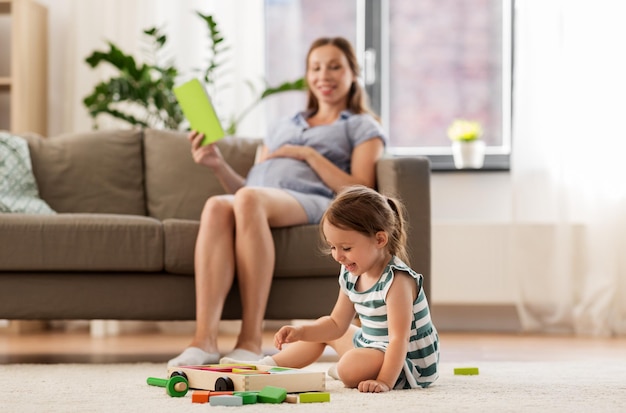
470,210
79,27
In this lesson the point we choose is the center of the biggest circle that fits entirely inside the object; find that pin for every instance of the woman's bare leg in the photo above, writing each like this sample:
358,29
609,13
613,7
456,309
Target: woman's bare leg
215,269
256,210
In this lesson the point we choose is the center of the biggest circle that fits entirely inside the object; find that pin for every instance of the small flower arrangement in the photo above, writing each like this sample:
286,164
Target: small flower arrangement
464,130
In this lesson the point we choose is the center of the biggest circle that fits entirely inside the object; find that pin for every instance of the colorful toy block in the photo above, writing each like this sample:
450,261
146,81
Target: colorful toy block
466,371
226,400
200,396
204,396
249,397
291,398
272,394
314,397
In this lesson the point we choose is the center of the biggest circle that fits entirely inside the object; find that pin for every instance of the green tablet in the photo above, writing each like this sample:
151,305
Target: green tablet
196,104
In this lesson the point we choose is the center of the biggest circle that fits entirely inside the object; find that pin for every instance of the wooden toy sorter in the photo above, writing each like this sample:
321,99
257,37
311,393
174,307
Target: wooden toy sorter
250,378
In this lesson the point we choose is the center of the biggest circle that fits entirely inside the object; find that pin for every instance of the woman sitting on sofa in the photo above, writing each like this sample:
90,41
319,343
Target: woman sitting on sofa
305,161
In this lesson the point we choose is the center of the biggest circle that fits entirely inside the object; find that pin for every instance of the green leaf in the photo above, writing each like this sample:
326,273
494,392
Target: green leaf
149,86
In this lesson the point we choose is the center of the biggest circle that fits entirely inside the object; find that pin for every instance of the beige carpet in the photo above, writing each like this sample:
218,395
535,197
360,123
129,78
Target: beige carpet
584,386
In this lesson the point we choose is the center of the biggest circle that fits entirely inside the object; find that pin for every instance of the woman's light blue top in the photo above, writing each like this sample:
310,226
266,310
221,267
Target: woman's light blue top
335,141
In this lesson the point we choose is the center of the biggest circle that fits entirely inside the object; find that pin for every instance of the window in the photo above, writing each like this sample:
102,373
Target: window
291,27
425,63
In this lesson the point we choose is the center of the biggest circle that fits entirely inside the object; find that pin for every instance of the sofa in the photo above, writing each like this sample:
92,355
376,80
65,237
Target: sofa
121,243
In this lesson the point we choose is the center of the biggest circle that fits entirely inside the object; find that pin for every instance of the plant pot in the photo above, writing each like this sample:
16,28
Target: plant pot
468,154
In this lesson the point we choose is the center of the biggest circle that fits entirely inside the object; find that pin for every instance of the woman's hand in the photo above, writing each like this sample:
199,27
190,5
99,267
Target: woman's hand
373,386
301,153
287,334
207,155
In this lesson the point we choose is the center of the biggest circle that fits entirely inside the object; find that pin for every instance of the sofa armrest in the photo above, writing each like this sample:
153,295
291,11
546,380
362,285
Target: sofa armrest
408,179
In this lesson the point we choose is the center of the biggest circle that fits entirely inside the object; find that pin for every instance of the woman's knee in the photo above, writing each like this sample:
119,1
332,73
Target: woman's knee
218,210
248,202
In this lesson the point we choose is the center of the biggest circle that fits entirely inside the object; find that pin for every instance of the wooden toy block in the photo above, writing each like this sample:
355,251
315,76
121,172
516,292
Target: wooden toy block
249,397
220,393
176,386
249,371
291,398
219,377
226,400
272,394
466,371
200,396
204,396
314,397
226,368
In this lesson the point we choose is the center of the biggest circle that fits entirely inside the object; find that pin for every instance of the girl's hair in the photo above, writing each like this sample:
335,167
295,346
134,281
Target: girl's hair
362,209
357,97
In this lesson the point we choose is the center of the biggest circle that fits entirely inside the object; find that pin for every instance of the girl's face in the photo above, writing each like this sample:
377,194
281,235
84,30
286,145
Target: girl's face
329,76
360,254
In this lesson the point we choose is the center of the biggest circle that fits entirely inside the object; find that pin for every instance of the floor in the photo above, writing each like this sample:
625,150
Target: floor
78,346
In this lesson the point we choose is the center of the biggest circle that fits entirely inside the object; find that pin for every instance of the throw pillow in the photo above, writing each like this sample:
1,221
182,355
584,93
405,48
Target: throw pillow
18,189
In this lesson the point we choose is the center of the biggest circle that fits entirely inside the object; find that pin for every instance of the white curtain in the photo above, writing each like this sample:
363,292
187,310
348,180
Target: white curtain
568,166
79,27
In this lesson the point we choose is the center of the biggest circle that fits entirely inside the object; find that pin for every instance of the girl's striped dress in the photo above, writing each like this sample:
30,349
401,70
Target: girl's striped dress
422,358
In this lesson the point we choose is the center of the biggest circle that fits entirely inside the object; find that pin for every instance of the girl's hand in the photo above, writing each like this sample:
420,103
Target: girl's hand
373,386
292,151
287,334
208,155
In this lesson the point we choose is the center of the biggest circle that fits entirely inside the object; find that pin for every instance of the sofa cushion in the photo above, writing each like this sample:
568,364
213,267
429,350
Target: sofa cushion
176,187
300,253
99,171
80,242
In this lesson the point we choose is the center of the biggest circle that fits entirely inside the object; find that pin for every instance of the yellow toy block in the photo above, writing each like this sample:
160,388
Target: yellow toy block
466,371
314,397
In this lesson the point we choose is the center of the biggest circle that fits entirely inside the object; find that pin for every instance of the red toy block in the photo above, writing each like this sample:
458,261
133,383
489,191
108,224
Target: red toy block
200,396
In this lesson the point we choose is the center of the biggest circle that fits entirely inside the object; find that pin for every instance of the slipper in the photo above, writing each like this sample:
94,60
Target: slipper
240,355
332,372
194,356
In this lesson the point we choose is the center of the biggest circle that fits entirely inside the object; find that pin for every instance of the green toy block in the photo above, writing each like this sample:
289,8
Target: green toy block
315,397
466,371
249,397
272,394
275,370
226,400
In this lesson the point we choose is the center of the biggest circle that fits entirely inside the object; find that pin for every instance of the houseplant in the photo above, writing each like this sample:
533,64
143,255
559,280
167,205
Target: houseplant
468,149
141,94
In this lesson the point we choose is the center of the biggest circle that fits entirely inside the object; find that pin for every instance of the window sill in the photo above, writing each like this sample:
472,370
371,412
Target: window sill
445,163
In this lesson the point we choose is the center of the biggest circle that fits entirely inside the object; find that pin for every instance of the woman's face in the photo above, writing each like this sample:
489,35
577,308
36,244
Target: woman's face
329,76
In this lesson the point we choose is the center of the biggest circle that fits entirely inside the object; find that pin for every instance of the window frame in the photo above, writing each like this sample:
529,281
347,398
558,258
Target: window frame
373,36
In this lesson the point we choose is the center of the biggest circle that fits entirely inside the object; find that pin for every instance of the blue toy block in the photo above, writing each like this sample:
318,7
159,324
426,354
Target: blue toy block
226,400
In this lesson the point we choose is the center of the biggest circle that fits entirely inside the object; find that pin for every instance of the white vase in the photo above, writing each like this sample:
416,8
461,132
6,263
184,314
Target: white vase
468,154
